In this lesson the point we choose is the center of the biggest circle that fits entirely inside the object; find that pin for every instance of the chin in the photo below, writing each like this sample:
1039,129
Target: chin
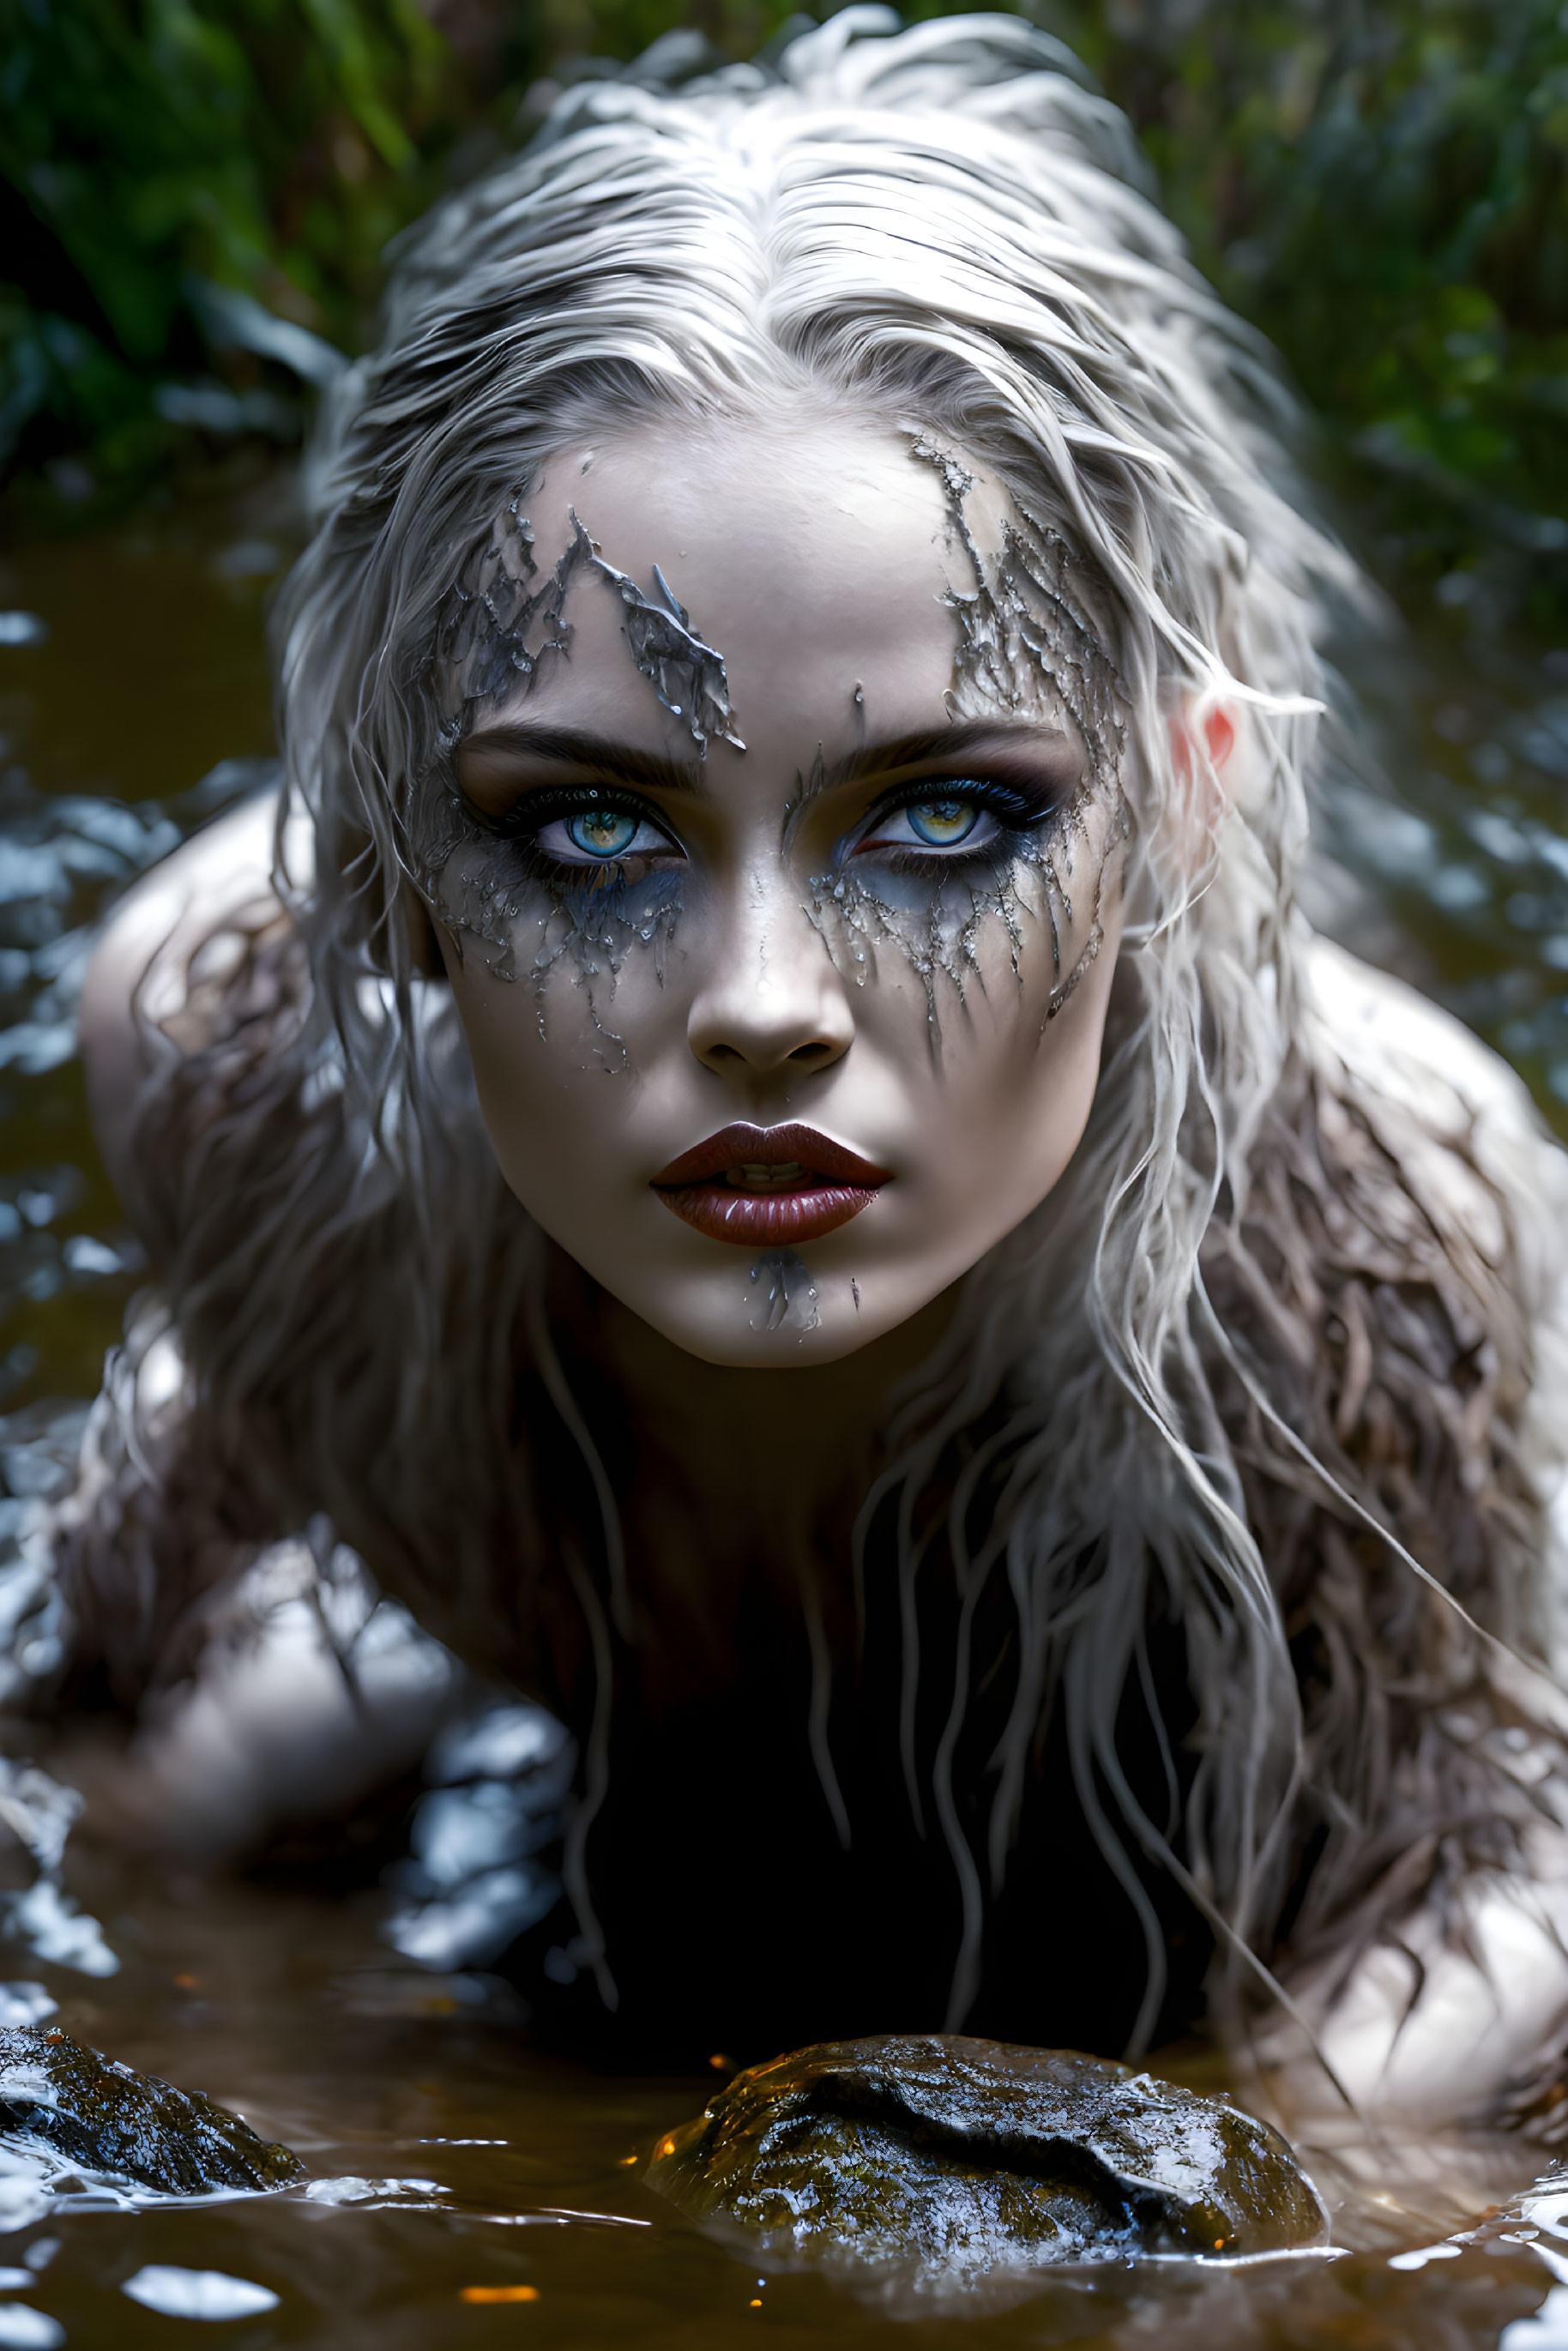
732,1327
772,1351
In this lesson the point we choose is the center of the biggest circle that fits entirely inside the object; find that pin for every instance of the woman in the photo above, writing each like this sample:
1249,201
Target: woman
770,1152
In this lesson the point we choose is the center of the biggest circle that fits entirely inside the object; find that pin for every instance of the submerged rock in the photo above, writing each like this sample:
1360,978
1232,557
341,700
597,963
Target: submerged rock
962,2157
105,2117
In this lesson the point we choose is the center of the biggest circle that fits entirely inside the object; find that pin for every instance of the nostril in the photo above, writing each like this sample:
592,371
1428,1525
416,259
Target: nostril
810,1052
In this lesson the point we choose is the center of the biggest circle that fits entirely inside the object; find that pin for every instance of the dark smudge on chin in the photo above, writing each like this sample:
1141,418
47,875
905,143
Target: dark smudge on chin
786,1295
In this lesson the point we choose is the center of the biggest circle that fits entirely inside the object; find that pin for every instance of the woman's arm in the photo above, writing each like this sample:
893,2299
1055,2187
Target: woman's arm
164,949
1425,2034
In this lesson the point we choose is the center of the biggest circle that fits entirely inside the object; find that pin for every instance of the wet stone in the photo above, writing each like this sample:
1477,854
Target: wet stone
106,2118
961,2158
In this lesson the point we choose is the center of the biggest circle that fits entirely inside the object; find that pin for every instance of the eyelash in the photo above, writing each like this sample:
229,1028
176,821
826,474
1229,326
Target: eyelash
526,824
1018,813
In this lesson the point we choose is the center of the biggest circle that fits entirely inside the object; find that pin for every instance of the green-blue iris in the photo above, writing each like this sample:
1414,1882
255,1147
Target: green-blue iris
602,832
942,824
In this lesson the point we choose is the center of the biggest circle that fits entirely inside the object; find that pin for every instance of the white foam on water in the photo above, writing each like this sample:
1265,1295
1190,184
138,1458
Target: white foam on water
194,2294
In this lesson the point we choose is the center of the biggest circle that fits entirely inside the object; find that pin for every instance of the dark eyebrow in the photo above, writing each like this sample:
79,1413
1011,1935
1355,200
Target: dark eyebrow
573,747
945,743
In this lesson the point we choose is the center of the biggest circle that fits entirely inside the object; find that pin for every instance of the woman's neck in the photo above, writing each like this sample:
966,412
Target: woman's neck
775,1449
734,1476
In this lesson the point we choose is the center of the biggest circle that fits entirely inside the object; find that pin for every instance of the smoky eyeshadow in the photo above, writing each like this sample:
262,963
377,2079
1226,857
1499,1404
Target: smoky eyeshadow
1026,620
1040,869
1012,789
531,805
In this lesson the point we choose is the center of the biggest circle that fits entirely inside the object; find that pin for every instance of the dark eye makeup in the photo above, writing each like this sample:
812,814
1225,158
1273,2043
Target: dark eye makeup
949,818
582,831
588,832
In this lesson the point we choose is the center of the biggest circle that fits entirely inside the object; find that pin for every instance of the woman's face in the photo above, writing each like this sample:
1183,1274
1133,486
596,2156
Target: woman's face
777,1042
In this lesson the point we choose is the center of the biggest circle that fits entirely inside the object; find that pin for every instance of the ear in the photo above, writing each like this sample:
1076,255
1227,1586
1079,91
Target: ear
1203,736
1203,732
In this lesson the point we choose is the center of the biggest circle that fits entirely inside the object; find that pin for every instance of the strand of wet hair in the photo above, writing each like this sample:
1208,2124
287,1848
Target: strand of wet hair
574,1859
558,1389
808,1588
1555,1709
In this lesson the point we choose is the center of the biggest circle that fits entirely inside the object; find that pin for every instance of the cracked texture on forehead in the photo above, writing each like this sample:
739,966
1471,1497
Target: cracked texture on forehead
1022,626
687,675
496,629
502,626
1025,621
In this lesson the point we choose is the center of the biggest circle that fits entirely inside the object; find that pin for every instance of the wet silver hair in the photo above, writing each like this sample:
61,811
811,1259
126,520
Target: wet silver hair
946,230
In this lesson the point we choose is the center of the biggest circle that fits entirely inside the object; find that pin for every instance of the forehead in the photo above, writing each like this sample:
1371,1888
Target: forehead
814,558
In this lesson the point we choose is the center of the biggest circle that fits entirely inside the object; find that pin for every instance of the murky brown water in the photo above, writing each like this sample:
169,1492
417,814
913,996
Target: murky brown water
503,2168
482,2164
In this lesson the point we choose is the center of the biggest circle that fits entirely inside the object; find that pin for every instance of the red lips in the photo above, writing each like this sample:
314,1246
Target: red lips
769,1186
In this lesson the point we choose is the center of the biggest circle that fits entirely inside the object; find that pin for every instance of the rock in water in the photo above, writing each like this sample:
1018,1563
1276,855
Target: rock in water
105,2117
963,2157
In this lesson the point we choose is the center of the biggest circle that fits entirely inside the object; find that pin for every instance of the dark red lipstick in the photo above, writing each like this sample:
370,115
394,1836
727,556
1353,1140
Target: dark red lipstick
769,1187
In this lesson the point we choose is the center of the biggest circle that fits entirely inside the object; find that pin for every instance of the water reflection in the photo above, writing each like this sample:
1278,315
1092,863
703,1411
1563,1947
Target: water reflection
465,2184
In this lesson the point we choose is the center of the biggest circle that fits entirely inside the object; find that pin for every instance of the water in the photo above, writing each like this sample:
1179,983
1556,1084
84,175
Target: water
509,2207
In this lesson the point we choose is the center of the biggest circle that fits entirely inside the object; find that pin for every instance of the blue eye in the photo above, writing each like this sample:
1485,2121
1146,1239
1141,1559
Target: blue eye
942,823
601,835
602,832
947,819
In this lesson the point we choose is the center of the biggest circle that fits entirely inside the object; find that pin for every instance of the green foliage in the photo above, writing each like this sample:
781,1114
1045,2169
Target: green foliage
1382,186
152,151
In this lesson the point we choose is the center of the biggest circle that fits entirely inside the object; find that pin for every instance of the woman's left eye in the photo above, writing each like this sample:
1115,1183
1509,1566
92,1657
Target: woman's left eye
946,819
596,836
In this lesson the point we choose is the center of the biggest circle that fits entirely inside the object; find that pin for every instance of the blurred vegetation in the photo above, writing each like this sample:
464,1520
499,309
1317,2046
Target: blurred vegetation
195,196
1382,186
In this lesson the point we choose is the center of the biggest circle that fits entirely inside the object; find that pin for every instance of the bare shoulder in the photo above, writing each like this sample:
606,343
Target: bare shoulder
1465,1131
1455,1115
166,951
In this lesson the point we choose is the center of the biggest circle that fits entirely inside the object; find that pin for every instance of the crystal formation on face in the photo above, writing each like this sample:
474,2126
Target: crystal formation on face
687,675
500,630
790,1299
1023,626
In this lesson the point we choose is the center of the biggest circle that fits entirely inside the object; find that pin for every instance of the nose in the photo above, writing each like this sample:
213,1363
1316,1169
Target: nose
769,999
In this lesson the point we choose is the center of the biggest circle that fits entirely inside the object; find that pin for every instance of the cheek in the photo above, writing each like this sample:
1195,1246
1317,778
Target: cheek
557,1063
512,922
996,1103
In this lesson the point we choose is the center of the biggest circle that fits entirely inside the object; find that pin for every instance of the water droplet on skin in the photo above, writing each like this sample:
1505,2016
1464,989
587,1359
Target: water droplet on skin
791,1303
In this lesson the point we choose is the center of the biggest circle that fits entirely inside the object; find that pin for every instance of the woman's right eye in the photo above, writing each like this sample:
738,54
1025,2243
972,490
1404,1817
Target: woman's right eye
597,836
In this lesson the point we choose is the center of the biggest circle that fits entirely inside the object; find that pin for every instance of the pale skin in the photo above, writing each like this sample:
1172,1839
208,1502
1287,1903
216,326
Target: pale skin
835,640
815,561
826,607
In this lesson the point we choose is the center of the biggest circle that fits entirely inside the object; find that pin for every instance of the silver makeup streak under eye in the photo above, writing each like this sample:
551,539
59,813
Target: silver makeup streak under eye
1020,627
499,629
